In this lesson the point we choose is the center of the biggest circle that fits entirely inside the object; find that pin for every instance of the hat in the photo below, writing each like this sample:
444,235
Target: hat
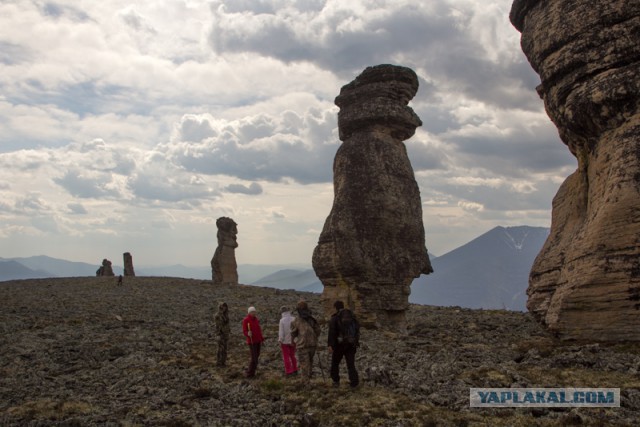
284,308
251,309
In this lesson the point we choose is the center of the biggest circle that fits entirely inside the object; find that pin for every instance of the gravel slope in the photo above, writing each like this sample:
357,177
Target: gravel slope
83,351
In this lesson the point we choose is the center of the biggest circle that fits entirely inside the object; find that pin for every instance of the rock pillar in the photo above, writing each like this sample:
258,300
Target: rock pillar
372,245
128,264
105,269
224,269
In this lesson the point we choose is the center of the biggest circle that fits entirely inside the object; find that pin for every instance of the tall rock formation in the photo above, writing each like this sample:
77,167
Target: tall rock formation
105,269
585,283
372,245
224,268
128,264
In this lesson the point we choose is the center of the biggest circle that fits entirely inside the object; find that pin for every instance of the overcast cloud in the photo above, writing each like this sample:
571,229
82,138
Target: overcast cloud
132,126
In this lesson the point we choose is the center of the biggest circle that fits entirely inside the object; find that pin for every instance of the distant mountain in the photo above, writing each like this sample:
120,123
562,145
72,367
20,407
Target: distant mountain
13,270
491,271
37,267
302,280
58,267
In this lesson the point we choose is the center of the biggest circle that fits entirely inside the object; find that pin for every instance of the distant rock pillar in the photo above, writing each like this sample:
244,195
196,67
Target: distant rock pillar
224,269
372,245
105,269
128,264
585,283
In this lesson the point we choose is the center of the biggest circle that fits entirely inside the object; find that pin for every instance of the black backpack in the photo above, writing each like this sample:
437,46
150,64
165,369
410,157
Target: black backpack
347,327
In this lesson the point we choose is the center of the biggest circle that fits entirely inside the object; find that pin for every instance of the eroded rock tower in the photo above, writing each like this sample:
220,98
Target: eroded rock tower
224,268
372,245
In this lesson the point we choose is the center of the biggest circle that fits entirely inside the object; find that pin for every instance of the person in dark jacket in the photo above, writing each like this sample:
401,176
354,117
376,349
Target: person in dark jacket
222,331
339,347
251,329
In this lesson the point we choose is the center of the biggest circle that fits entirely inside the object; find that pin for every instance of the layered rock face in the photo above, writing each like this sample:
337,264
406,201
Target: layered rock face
128,264
105,269
372,245
224,268
585,283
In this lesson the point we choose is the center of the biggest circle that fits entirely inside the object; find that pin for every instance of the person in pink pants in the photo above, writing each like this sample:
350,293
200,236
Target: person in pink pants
287,345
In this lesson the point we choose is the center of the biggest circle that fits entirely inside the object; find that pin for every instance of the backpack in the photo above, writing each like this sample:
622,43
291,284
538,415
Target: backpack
347,327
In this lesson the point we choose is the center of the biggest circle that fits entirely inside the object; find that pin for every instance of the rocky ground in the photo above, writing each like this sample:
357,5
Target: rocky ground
84,351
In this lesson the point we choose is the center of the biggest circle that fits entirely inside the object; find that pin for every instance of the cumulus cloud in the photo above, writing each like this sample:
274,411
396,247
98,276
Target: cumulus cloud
253,189
261,147
86,185
77,208
161,116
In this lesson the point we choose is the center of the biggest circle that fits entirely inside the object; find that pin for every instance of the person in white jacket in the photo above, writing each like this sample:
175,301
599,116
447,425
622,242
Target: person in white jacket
287,345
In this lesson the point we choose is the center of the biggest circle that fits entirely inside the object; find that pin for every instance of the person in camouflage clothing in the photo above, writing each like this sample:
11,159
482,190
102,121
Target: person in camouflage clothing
305,331
222,330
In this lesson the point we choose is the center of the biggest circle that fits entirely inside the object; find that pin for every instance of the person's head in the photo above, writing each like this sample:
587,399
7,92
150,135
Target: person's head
223,306
284,309
338,305
302,305
252,311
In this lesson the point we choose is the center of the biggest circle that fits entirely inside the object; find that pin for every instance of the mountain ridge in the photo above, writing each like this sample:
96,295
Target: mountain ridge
491,271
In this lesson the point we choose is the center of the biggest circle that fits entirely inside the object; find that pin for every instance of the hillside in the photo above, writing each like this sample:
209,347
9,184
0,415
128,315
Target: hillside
491,271
84,351
13,270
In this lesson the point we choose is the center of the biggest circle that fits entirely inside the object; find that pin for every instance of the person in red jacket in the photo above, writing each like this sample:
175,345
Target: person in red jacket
251,329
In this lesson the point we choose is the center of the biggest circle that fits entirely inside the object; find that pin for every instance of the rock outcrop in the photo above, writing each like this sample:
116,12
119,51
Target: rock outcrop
128,264
372,245
105,269
224,269
585,283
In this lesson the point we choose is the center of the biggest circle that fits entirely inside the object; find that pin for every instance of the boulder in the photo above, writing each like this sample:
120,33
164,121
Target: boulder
372,245
224,269
585,283
128,264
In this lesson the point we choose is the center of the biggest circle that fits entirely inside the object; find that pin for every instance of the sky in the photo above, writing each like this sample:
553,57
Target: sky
132,126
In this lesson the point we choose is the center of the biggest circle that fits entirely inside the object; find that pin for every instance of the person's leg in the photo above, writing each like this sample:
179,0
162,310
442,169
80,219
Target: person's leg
254,352
336,358
305,364
286,358
350,356
312,353
222,351
294,362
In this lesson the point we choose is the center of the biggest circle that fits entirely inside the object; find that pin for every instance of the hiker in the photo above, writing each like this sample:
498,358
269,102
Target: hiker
305,331
251,329
120,280
222,330
287,345
343,341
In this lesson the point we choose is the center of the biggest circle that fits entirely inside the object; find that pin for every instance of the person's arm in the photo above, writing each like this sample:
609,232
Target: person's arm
281,331
245,327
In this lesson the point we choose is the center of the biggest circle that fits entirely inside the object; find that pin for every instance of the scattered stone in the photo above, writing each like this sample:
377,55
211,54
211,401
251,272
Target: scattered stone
65,357
128,264
372,245
224,269
585,283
